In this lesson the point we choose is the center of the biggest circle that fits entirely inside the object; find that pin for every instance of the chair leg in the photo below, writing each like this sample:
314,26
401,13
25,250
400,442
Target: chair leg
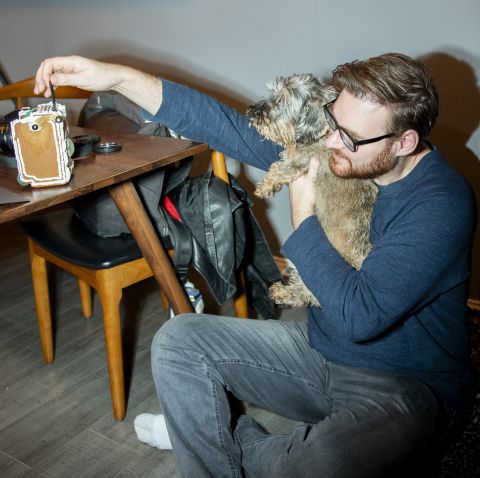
240,302
110,297
241,306
42,302
85,298
164,300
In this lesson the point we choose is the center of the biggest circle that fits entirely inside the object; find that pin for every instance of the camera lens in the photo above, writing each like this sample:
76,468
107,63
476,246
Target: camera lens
6,140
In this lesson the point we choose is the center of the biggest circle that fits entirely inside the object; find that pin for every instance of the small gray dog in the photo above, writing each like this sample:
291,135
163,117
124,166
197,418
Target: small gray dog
293,117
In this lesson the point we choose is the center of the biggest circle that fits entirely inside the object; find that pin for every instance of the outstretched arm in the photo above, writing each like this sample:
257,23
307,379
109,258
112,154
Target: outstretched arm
143,89
190,113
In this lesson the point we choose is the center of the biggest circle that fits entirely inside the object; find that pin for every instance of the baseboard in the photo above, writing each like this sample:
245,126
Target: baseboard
474,304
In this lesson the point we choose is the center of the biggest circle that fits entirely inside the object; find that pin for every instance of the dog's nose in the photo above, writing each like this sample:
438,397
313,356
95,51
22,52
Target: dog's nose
256,110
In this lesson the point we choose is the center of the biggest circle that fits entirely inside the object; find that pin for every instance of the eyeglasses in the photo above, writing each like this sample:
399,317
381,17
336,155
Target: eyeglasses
348,141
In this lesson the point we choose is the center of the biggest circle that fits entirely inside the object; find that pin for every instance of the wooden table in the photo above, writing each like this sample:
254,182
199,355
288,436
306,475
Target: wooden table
140,154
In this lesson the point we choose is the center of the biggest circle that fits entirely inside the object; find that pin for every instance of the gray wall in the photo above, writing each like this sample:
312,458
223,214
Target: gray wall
231,49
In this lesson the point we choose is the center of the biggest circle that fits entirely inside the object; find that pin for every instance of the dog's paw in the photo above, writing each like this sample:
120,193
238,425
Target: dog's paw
267,189
281,295
261,193
285,294
292,291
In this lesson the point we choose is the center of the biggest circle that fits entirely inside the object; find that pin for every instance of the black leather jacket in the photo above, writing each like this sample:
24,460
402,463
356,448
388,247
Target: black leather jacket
218,233
226,237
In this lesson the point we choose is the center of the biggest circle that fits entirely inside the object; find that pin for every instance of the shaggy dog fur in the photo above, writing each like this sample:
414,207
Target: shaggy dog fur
293,117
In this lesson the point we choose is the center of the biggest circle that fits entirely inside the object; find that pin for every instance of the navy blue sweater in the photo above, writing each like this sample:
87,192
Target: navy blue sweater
404,312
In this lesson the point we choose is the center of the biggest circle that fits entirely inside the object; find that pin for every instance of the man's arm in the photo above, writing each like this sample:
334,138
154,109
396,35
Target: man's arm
188,112
416,258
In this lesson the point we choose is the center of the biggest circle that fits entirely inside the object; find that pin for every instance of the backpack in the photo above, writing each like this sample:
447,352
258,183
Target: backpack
112,111
212,229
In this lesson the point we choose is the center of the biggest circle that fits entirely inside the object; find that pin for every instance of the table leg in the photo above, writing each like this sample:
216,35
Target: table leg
137,220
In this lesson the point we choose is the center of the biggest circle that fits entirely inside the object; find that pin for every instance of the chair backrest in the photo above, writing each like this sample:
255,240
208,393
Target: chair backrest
21,90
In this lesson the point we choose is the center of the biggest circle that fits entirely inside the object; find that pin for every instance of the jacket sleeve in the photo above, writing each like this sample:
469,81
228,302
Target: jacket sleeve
420,255
200,117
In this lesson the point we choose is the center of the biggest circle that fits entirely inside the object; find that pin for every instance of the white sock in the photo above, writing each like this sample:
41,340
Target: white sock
152,429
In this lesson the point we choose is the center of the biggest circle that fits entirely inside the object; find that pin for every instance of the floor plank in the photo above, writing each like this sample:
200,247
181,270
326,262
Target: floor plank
13,468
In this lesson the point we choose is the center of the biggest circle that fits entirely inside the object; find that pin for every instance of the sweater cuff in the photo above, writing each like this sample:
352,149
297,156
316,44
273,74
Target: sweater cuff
308,247
294,246
172,96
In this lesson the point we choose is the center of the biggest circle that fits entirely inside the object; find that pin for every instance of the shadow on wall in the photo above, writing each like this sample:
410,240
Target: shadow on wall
458,119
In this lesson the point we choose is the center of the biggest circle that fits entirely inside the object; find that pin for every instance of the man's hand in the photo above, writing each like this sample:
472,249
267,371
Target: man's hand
302,194
76,71
91,75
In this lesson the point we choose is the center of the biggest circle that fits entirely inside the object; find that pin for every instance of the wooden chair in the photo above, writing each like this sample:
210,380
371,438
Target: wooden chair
21,90
107,265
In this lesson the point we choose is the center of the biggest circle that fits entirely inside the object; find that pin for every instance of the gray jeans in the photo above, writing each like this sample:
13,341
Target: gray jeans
356,422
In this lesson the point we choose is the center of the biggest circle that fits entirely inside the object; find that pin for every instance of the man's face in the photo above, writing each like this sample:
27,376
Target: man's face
362,120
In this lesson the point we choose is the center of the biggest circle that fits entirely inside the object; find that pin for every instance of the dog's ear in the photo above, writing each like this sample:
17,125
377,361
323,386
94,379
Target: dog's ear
312,124
329,93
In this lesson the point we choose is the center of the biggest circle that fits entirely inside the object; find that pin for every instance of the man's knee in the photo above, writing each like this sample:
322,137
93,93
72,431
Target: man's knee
184,332
172,345
178,328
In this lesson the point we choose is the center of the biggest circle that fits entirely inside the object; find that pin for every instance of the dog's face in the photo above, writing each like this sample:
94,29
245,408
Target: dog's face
293,114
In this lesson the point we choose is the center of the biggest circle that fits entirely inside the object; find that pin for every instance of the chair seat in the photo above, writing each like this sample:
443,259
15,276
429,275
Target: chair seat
64,235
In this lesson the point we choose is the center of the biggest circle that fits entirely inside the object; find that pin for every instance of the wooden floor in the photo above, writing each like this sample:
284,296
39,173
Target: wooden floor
56,420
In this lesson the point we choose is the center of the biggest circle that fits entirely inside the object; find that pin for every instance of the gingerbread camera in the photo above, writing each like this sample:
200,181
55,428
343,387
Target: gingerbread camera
42,148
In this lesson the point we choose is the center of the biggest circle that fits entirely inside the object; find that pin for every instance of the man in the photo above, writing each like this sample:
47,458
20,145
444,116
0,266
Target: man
377,372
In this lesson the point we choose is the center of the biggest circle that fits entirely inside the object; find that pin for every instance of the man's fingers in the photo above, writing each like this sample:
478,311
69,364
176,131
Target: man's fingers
43,78
55,70
40,84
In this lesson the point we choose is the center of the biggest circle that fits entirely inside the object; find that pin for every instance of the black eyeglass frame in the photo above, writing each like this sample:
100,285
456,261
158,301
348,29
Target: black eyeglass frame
333,125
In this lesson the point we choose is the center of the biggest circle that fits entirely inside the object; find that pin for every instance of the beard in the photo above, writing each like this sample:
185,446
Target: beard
381,164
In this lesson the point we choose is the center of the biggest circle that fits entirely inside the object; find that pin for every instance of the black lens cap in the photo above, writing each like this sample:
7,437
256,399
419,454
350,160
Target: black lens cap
84,145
